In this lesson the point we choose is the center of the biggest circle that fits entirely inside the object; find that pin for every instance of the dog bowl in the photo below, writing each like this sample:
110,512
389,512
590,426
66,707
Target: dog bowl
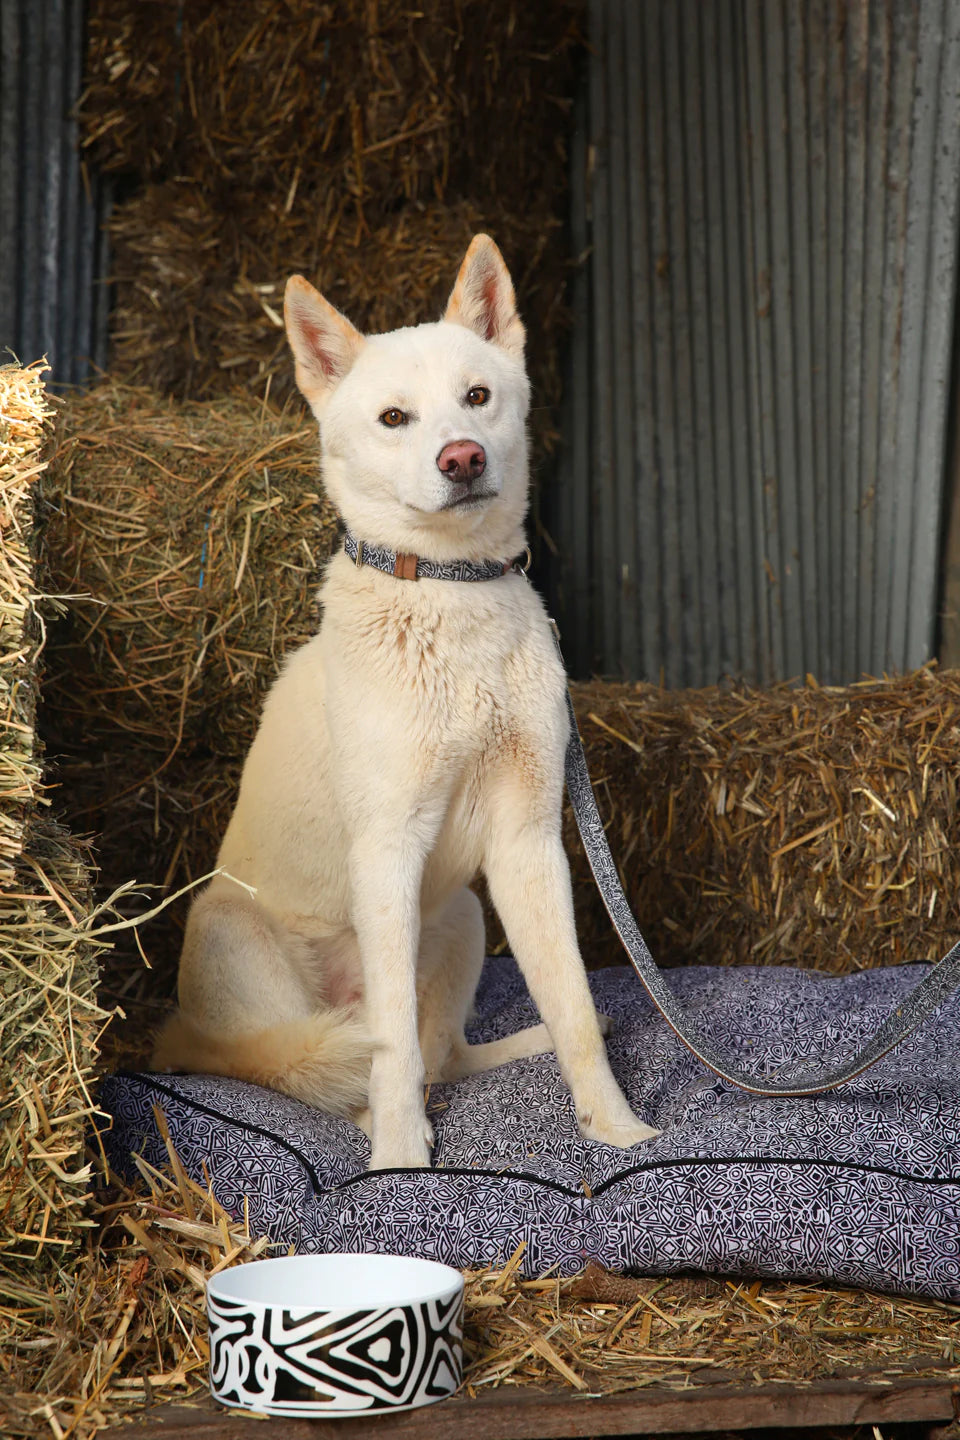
316,1335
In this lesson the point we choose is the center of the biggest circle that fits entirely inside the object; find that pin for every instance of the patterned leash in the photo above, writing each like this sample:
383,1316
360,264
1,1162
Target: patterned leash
929,994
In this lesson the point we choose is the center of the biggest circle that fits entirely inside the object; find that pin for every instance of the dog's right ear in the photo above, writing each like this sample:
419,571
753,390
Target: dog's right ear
323,341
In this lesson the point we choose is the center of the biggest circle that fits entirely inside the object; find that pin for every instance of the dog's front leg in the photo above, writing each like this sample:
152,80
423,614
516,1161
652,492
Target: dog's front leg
529,880
385,877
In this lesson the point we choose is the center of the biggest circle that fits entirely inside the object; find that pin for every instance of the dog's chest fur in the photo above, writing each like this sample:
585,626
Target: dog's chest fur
465,689
467,663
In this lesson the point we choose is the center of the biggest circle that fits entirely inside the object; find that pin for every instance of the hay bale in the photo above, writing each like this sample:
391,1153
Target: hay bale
361,144
401,104
813,826
205,329
50,1019
190,538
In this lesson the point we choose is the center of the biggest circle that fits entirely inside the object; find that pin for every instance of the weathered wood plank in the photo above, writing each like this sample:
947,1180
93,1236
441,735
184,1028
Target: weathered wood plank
550,1415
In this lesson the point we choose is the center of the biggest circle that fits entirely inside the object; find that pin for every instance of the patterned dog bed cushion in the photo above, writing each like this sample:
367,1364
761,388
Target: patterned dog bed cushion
860,1186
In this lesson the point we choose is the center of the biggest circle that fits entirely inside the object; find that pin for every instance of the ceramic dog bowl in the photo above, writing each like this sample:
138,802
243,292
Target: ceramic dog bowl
325,1335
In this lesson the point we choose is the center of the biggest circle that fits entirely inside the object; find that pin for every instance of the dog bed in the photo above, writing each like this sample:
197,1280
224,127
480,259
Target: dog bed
860,1186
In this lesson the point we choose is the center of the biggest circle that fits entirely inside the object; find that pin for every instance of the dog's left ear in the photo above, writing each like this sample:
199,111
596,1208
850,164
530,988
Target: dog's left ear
483,298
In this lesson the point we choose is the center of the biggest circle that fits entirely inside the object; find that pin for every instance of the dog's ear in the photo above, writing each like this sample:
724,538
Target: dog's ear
323,341
483,299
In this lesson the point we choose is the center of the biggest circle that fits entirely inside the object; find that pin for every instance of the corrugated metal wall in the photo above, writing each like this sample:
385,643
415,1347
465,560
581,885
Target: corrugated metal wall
51,241
767,195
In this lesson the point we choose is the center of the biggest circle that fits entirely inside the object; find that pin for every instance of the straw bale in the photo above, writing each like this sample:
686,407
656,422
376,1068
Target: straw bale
805,825
49,1016
190,323
359,143
190,539
395,99
50,1025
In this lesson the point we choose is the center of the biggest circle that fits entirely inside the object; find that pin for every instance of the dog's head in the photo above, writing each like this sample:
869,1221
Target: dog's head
423,429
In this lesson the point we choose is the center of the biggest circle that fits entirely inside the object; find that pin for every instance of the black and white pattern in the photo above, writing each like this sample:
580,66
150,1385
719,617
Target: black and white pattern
860,1186
366,1361
380,558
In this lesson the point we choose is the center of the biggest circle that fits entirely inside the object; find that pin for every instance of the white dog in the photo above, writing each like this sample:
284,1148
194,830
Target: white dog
418,739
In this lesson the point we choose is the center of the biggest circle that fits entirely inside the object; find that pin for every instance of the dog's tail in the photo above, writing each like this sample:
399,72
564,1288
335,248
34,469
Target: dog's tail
323,1059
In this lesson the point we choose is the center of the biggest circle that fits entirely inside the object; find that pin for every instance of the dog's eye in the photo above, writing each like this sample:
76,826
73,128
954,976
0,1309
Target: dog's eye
393,417
478,395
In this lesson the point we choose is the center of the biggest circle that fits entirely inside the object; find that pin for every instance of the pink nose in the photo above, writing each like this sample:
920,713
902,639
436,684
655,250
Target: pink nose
462,460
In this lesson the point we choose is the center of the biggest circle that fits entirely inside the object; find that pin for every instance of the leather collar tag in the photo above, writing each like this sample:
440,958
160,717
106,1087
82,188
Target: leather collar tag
405,566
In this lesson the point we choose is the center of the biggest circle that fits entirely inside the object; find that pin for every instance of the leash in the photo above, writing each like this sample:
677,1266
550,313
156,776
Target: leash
935,987
929,994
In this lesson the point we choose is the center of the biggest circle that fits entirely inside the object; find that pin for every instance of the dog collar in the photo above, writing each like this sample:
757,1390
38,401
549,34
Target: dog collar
412,567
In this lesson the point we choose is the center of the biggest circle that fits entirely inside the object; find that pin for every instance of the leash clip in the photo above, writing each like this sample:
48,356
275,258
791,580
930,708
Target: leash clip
555,630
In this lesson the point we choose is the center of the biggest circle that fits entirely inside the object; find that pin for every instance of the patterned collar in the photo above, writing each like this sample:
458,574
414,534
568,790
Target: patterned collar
412,567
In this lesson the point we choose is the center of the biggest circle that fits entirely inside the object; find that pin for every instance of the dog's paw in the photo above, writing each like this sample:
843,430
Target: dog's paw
623,1134
605,1023
403,1151
393,1156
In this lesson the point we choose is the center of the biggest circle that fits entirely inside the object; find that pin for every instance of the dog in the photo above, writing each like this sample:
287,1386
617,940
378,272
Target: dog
417,740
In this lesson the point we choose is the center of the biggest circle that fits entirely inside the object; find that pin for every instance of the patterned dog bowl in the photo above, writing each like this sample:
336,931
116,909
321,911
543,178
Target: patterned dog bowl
316,1335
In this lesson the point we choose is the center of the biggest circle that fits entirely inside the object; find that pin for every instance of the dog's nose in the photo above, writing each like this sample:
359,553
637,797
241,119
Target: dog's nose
462,460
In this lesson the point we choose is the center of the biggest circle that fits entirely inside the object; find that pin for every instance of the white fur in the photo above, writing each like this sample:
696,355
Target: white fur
416,740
